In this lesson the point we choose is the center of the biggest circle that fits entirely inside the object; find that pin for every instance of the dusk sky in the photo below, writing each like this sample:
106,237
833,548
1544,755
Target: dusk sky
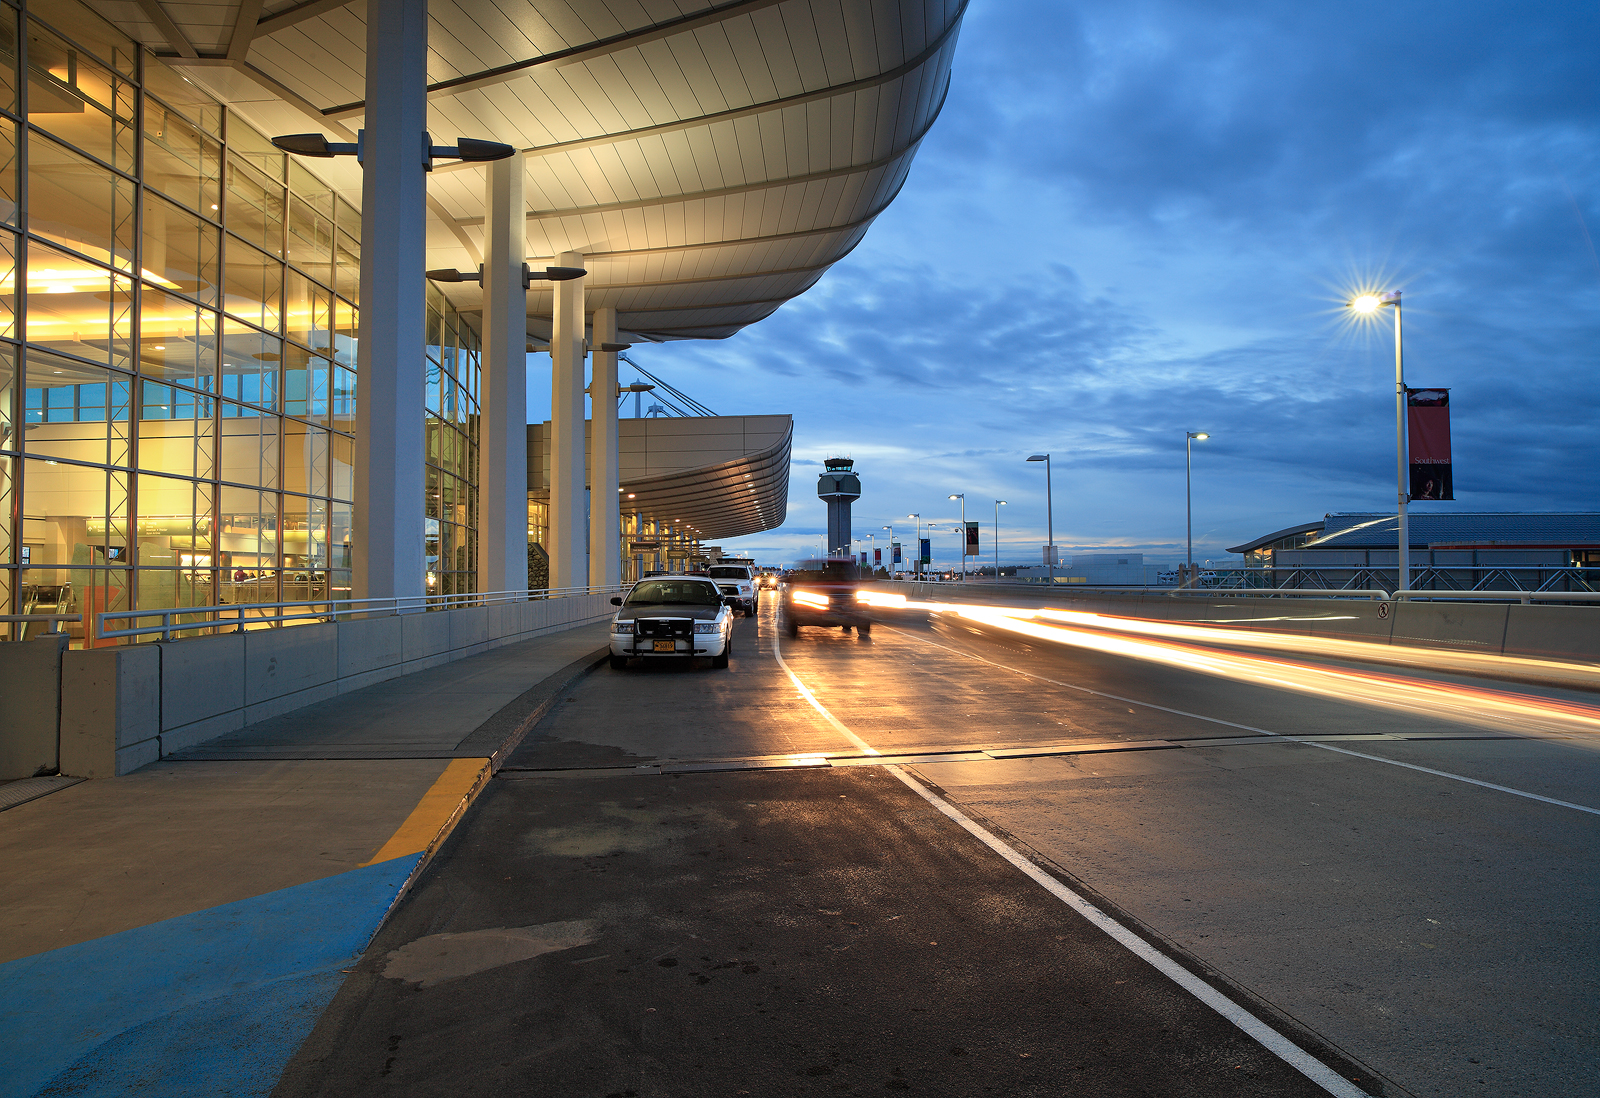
1136,219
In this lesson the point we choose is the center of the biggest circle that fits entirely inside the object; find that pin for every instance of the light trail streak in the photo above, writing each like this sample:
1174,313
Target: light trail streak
1468,704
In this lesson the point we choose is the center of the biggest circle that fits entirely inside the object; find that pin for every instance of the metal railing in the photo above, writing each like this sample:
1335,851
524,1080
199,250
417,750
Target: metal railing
53,619
236,618
1524,597
1082,590
1498,579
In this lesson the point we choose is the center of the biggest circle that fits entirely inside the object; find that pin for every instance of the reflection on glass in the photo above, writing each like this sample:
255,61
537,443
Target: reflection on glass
79,100
76,412
177,340
79,308
78,204
305,458
181,162
182,253
252,285
249,451
250,365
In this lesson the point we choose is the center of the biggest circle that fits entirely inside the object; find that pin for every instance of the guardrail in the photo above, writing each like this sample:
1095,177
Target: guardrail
1524,597
24,619
1533,578
1082,590
231,617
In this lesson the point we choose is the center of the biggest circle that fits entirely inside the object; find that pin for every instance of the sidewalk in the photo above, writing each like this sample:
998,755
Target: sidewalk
221,892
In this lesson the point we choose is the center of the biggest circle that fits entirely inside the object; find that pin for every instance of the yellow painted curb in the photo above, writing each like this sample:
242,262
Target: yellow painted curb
433,814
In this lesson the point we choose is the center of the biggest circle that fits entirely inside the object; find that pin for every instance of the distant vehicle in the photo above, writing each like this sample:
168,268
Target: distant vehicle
736,581
677,617
767,581
823,592
1167,579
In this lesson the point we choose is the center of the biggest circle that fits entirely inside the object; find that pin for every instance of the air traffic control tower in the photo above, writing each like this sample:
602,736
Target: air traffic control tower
838,486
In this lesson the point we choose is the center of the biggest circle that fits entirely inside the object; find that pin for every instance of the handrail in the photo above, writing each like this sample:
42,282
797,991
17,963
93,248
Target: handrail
53,619
1083,590
322,609
1524,597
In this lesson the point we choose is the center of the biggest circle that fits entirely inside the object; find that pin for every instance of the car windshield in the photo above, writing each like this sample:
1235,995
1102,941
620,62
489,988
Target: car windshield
825,571
673,593
729,574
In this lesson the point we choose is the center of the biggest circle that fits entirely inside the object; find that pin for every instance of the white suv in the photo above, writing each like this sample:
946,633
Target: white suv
737,582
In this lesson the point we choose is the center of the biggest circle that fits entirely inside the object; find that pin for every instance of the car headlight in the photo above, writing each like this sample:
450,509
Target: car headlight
708,627
625,627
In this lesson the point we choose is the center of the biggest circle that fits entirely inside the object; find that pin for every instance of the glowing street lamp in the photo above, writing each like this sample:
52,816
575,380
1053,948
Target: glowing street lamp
962,496
1369,305
1188,496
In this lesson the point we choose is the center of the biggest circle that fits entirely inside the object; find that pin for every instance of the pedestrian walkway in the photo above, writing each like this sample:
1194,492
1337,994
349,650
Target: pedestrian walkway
178,930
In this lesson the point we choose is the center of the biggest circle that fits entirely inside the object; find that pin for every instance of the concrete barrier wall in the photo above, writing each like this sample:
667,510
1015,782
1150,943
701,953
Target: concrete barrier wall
122,708
1569,633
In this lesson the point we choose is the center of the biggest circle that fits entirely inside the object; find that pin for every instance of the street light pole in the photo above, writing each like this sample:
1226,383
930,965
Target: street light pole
892,570
1050,518
918,547
1188,498
962,496
999,503
1371,303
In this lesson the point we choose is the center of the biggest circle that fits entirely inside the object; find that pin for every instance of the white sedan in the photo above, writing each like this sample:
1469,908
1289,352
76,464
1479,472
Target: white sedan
673,617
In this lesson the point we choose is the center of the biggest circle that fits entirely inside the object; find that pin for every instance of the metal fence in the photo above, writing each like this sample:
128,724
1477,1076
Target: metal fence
1497,580
194,621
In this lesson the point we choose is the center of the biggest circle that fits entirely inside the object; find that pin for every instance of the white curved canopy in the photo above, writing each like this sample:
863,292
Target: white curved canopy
711,160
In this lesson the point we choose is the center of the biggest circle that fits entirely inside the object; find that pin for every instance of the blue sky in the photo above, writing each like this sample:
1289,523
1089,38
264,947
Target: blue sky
1136,219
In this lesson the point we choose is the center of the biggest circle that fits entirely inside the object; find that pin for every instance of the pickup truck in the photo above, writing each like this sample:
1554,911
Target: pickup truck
738,584
822,592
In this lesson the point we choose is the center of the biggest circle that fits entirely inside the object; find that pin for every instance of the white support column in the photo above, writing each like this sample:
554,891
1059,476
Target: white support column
503,445
605,516
387,533
567,504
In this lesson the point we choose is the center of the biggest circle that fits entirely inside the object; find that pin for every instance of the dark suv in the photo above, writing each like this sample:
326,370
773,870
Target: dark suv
822,592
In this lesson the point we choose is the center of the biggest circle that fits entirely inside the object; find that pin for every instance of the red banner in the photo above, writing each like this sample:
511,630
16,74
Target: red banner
1428,437
972,539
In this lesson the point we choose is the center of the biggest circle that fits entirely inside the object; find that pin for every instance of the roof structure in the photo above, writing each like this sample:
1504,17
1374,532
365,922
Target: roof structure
1360,530
1278,535
720,476
711,160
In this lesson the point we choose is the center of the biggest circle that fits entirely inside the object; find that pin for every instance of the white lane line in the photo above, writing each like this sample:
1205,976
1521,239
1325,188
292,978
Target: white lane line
818,706
1262,731
1263,1034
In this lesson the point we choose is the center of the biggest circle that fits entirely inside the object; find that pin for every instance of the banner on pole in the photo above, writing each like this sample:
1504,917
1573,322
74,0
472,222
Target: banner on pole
926,549
1428,438
877,556
894,552
972,539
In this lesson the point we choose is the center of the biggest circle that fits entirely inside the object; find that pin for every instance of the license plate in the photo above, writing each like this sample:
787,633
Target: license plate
665,646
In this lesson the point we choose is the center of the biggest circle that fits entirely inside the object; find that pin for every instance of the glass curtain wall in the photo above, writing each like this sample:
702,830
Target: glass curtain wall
179,306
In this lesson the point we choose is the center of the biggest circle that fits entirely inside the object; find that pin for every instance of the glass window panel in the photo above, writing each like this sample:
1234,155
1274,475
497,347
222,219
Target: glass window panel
309,246
305,384
77,203
8,165
342,401
182,253
254,206
81,101
247,535
340,523
76,412
176,432
305,458
88,29
307,311
8,285
8,67
305,549
252,284
248,145
179,92
8,487
249,450
182,162
250,365
346,330
75,526
347,268
431,388
79,308
177,340
342,449
10,434
174,525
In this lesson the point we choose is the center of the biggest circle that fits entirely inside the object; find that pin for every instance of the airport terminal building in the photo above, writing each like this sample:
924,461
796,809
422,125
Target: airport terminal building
224,378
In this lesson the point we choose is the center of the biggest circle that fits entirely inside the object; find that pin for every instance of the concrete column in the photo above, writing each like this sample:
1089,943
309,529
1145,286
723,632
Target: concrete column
567,504
387,527
503,443
605,515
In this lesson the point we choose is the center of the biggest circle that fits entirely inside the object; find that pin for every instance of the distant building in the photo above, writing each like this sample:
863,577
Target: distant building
1504,549
1099,570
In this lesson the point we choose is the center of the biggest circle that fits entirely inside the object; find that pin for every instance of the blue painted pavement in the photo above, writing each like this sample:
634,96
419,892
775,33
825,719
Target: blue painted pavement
208,1004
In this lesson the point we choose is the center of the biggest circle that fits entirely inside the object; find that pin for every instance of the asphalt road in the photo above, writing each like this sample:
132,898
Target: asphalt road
611,920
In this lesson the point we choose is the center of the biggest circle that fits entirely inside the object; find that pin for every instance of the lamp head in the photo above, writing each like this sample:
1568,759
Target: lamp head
957,495
999,503
1198,434
1040,457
